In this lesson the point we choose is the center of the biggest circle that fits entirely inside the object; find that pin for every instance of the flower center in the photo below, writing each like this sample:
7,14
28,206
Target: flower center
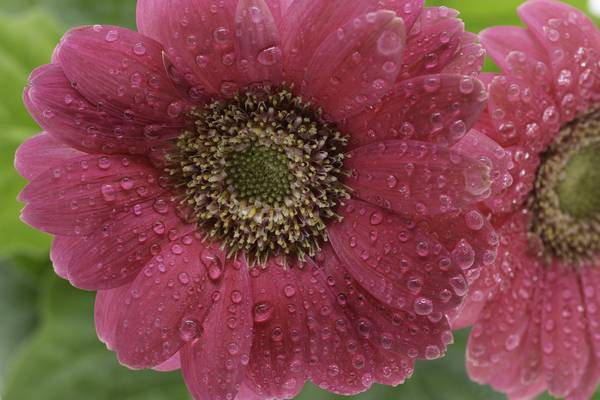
261,174
566,202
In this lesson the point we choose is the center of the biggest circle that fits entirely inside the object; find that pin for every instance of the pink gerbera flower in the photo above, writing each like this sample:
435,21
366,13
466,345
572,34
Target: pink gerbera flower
537,312
266,192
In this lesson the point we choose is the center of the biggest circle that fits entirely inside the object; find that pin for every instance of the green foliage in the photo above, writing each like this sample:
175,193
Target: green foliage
80,12
25,43
65,360
18,308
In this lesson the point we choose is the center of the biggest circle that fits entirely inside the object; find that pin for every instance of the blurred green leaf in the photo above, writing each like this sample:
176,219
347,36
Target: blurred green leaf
479,15
81,12
66,361
18,308
25,43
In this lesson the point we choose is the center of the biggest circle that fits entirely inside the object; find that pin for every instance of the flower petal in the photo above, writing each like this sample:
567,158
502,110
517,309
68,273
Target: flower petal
41,153
279,360
167,303
479,146
172,364
347,353
78,196
590,287
412,177
396,337
355,66
115,254
572,43
504,347
301,36
108,310
214,364
403,267
564,337
432,42
199,37
68,116
469,59
517,53
122,72
257,43
523,173
61,253
430,108
522,114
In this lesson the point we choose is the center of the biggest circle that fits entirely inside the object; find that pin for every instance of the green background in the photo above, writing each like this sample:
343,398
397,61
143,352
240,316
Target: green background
48,346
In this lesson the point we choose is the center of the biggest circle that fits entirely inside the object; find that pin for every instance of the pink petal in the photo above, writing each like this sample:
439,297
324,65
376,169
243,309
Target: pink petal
401,266
517,53
590,287
108,310
61,253
172,364
572,43
483,285
199,37
168,302
432,43
392,333
431,108
214,364
68,116
564,339
417,178
590,280
115,254
470,57
78,196
522,114
301,36
123,73
247,392
589,383
524,167
258,47
468,234
349,347
479,146
355,66
279,360
41,153
504,347
277,8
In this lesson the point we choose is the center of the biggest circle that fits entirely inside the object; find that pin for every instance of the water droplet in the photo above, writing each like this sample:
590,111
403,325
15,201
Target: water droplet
112,36
389,43
376,218
262,312
270,56
423,306
189,330
139,49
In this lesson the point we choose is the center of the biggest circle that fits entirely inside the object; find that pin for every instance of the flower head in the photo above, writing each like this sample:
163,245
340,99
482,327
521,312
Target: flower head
266,192
536,312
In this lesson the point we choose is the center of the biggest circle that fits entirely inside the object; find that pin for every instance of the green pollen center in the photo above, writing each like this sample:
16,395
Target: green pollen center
566,201
260,173
579,191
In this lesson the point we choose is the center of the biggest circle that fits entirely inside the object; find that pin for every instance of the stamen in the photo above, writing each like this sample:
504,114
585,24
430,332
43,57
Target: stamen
566,203
261,174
